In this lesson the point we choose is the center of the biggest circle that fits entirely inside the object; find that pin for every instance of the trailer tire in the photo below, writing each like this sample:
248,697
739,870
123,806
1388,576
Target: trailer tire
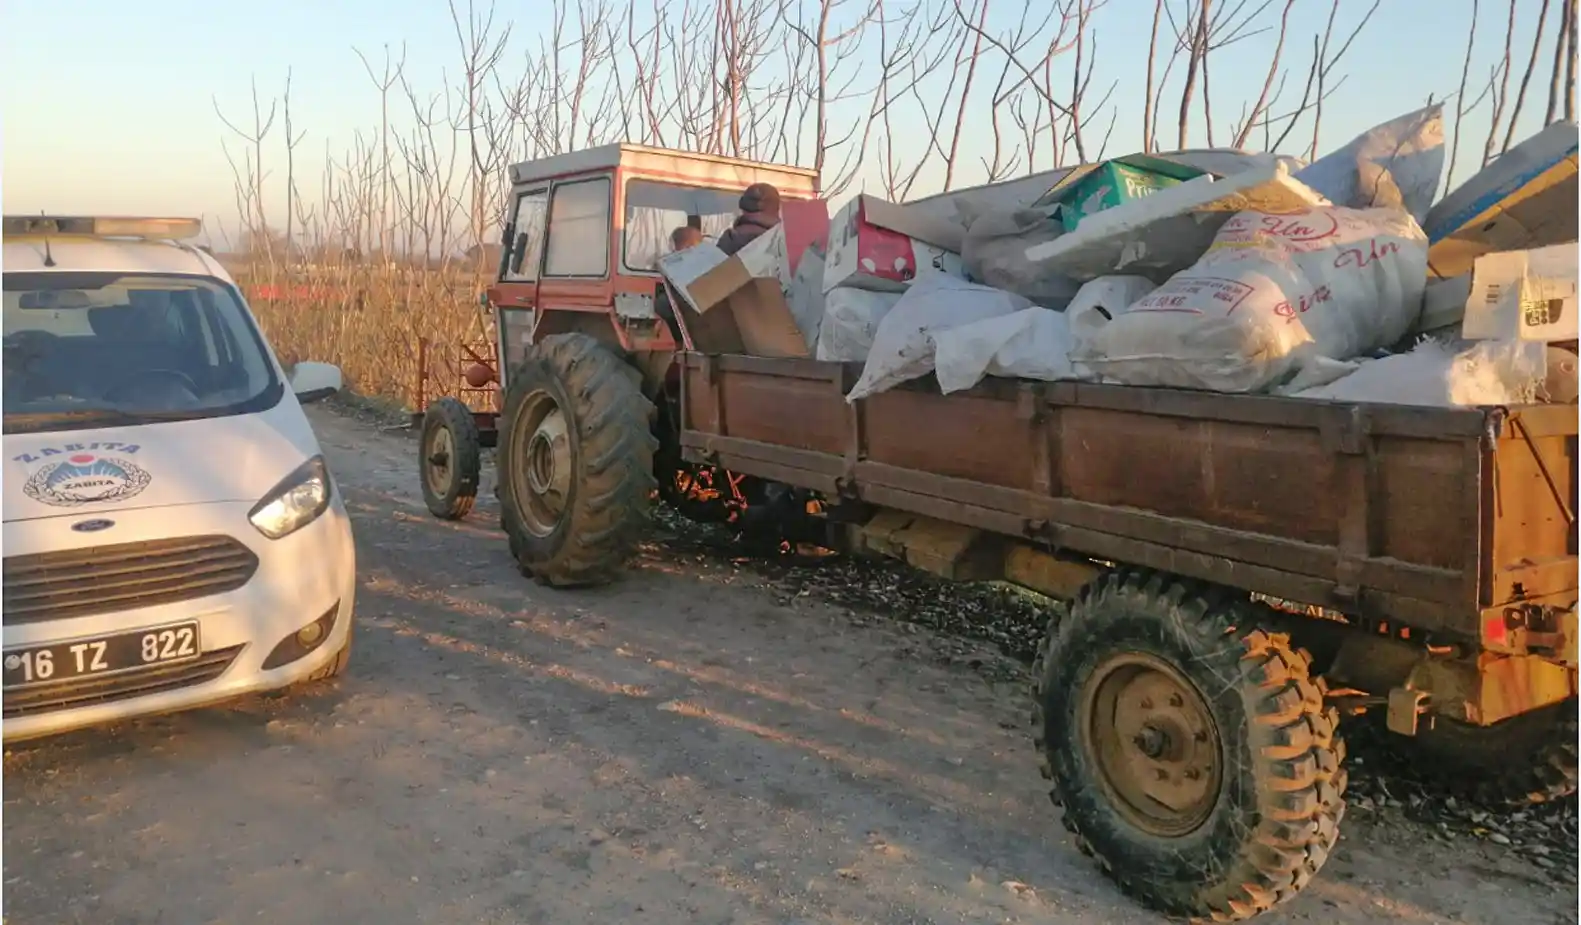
1251,753
1522,761
449,457
575,462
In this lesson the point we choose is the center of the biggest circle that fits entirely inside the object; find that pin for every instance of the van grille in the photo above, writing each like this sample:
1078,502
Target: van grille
106,579
83,692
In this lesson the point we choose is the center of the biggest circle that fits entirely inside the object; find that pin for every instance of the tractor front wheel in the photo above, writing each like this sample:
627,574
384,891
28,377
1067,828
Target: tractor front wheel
575,462
448,456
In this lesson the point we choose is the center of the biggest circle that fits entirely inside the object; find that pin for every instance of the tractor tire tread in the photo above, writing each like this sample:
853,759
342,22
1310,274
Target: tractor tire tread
1293,756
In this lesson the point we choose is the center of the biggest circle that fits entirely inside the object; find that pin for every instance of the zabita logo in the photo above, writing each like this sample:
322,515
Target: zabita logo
85,477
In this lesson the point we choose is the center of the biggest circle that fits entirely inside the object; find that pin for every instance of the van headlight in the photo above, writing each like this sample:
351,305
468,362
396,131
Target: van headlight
297,501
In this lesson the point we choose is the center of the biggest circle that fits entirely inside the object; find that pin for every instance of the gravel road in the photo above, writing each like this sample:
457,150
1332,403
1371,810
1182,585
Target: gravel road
696,744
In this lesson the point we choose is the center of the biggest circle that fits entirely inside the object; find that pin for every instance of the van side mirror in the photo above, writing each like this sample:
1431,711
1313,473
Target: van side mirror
314,381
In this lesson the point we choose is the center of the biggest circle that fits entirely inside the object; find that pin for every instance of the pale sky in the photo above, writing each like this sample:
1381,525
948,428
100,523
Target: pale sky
109,106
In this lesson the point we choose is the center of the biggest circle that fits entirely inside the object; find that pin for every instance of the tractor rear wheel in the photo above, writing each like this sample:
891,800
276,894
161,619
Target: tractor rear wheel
575,462
1190,751
448,455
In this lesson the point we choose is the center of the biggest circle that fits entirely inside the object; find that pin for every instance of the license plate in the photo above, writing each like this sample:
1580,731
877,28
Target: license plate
93,656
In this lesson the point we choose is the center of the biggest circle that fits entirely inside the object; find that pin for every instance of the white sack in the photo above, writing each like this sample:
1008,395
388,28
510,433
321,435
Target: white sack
1033,343
850,321
806,295
1397,164
1436,374
1272,295
995,254
1099,300
903,348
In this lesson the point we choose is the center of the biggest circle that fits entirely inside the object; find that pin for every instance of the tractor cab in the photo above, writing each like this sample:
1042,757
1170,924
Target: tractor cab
583,235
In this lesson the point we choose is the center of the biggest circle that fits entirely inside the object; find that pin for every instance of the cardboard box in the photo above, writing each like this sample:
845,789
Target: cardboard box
1525,199
1091,189
737,304
806,223
878,245
1162,234
1525,295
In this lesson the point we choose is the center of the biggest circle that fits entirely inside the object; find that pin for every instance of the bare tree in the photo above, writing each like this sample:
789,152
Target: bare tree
1502,90
1460,98
1526,77
481,51
292,200
250,174
1327,63
390,76
1259,109
1570,62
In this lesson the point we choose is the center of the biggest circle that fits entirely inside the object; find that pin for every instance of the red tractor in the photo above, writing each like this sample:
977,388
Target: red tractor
585,395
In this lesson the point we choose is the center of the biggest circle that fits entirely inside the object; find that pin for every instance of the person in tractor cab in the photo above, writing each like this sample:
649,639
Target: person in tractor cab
760,211
684,237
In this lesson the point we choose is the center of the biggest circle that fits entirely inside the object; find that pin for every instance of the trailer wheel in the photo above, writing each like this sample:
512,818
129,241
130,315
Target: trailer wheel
575,462
1524,760
1191,752
448,456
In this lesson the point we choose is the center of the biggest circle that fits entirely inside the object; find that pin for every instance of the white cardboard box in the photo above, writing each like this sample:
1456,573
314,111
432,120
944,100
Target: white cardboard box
1527,295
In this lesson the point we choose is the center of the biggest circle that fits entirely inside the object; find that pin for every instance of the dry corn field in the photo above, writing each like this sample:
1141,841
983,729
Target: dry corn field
370,321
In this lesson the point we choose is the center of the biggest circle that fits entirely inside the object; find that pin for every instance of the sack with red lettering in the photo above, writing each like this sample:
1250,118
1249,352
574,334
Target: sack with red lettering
1274,293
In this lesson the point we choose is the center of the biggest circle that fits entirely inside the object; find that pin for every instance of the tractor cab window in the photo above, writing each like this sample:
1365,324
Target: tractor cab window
515,333
524,250
654,210
578,229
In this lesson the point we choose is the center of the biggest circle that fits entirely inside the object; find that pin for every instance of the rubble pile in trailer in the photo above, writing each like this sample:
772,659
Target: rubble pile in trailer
1343,279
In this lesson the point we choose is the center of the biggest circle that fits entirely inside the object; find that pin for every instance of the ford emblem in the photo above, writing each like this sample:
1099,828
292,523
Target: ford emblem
92,526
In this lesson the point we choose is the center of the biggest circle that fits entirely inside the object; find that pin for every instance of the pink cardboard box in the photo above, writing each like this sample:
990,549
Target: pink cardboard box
878,245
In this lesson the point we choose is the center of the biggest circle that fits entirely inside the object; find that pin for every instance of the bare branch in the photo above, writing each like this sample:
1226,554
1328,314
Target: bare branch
1460,98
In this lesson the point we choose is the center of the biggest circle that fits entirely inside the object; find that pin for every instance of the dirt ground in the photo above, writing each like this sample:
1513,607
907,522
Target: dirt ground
686,746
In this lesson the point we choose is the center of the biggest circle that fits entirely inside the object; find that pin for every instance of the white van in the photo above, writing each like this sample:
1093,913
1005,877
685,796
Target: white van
172,537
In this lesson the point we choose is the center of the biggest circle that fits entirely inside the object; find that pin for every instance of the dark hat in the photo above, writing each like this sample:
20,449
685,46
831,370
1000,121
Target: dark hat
761,197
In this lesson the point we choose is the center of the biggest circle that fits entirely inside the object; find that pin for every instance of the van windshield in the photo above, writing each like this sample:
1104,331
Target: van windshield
88,350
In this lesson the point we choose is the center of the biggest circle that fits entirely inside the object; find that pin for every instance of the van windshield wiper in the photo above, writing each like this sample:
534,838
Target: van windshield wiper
109,416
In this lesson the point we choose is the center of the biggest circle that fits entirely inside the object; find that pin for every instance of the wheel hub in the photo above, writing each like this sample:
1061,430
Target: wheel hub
1151,734
1152,741
549,460
541,472
441,448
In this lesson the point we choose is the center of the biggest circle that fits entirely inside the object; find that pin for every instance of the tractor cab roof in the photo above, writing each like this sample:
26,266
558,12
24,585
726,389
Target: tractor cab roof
661,163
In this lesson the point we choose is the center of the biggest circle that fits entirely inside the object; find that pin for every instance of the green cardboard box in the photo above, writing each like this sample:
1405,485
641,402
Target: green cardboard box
1096,187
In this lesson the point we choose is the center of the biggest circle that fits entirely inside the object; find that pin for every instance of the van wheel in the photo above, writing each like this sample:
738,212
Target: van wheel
337,666
1192,754
1521,761
575,462
448,456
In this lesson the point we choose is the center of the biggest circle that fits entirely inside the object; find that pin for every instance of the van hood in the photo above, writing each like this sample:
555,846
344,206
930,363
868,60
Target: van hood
105,470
